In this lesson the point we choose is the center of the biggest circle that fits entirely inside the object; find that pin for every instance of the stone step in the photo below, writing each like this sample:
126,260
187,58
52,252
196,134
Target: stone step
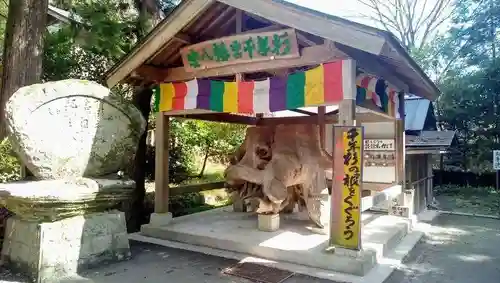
293,243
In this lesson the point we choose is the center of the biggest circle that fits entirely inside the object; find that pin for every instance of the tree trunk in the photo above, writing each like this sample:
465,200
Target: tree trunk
23,47
205,159
136,215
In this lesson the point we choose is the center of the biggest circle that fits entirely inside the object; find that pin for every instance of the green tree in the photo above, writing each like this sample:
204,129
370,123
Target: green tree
215,141
470,80
23,44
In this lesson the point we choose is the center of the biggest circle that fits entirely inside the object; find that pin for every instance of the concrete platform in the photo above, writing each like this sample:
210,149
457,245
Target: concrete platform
296,242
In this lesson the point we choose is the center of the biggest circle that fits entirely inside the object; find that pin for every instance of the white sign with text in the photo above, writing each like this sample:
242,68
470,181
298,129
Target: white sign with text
496,159
380,144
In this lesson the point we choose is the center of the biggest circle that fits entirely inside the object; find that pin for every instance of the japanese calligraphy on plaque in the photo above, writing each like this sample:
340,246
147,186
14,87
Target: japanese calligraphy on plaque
244,48
382,144
346,198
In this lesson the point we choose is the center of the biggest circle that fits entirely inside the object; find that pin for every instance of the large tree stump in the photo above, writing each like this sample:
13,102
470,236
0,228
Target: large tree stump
280,167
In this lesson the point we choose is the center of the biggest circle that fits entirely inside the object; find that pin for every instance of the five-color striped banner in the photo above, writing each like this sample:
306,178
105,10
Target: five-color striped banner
380,93
319,86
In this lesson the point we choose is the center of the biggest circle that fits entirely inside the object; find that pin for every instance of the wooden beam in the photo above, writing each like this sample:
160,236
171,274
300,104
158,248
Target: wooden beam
184,38
196,188
162,144
334,112
239,21
264,29
294,120
221,117
215,22
313,55
375,110
302,38
304,112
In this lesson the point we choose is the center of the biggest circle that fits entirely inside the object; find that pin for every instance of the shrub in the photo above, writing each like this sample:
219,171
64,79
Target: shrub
463,190
10,168
180,163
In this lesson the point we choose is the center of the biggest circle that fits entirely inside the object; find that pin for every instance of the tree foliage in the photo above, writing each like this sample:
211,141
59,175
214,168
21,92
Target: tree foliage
463,62
470,81
414,22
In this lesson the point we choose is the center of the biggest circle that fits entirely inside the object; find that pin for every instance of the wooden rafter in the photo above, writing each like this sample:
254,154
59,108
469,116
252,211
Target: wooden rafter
184,38
304,112
221,117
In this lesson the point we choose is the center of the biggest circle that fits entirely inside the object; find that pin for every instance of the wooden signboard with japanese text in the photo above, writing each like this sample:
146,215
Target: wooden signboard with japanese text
345,229
243,48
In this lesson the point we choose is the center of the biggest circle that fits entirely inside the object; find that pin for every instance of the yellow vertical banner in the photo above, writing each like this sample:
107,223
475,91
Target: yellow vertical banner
345,226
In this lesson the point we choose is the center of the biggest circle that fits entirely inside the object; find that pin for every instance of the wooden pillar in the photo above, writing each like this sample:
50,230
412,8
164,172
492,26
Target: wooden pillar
441,168
162,144
430,186
321,125
399,126
347,117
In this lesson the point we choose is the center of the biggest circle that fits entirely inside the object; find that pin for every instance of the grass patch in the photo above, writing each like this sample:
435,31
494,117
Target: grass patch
467,199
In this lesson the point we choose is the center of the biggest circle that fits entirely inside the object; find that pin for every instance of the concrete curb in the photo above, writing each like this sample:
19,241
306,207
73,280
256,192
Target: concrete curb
468,214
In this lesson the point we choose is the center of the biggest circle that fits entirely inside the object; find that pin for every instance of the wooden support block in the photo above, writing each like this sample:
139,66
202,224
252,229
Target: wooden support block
269,222
238,203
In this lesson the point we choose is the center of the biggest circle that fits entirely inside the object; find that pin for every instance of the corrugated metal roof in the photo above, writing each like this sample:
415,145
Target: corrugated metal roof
430,138
416,110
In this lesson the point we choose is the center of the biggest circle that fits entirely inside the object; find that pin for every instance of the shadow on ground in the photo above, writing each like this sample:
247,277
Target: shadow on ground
152,263
457,249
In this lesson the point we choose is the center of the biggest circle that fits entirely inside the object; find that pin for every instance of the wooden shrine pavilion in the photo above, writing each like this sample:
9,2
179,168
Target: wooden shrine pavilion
251,62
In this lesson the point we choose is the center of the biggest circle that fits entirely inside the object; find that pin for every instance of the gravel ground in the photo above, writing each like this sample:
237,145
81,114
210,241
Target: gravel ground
155,264
458,249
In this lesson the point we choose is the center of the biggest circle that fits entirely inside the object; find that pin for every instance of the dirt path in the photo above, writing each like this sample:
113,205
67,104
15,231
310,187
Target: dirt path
458,249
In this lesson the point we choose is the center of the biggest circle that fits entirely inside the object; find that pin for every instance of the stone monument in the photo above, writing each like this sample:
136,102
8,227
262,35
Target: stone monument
74,136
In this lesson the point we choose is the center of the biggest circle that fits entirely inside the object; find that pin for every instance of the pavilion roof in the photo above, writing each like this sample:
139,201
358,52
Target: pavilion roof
157,57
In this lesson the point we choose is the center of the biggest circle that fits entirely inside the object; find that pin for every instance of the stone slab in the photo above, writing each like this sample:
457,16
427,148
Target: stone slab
52,200
51,250
64,190
295,242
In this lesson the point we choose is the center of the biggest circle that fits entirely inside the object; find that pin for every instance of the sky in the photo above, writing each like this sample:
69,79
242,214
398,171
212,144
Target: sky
353,10
348,9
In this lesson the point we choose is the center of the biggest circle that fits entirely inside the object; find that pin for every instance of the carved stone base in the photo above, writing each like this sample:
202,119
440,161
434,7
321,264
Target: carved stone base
160,219
48,251
268,222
